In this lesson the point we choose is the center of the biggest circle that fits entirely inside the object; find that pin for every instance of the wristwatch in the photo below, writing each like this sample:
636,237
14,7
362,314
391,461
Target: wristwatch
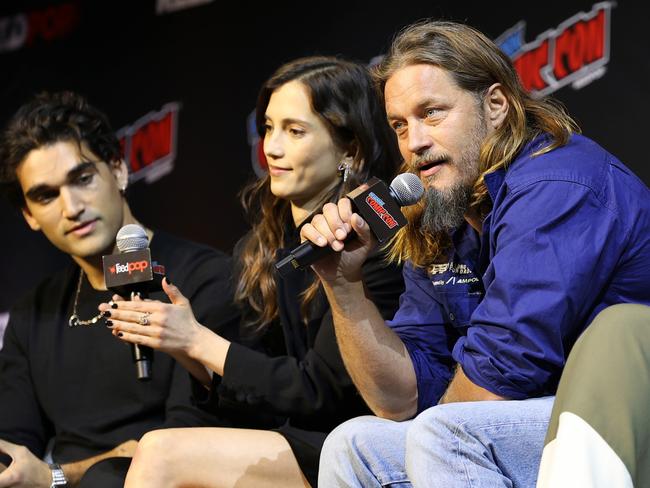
58,476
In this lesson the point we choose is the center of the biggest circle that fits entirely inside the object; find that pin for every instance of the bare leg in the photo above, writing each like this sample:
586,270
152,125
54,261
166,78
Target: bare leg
214,457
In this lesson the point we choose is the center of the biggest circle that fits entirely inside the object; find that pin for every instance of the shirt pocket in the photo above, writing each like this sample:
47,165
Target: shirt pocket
459,306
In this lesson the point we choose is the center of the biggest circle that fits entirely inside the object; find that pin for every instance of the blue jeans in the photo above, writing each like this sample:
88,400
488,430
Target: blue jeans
473,444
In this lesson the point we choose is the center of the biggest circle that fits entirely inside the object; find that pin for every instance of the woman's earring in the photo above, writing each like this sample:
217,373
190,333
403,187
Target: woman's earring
344,170
123,190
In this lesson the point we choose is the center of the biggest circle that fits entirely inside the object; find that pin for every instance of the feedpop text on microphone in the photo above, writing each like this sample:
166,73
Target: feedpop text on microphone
130,274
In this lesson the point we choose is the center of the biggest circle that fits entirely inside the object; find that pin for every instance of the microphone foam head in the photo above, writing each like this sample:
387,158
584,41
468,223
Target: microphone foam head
407,189
131,238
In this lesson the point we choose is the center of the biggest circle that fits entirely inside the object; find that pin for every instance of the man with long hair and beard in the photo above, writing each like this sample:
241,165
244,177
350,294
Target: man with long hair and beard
527,231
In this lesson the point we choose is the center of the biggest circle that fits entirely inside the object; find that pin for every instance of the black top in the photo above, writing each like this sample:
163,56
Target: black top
292,378
79,384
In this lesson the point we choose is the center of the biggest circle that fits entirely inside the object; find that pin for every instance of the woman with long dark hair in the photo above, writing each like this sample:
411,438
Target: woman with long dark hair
277,392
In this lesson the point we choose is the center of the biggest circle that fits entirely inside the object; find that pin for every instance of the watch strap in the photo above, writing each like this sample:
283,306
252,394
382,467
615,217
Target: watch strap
58,476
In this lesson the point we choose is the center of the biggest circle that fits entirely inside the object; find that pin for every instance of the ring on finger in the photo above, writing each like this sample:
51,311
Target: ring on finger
144,318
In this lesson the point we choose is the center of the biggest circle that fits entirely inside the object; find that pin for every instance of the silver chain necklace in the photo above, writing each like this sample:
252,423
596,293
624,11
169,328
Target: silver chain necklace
74,318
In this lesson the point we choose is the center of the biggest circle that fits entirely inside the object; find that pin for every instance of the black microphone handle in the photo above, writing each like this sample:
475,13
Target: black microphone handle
142,355
378,204
307,254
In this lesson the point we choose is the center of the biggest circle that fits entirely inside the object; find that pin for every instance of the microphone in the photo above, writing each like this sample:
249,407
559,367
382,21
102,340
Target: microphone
378,204
130,274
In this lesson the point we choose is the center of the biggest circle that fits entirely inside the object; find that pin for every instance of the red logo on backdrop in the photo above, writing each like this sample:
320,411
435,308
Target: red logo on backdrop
47,24
149,144
576,52
260,165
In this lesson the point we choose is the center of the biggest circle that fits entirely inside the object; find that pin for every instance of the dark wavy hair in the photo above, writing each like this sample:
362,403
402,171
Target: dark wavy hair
46,119
342,94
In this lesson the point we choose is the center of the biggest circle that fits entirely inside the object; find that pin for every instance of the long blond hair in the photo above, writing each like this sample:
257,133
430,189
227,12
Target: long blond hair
475,63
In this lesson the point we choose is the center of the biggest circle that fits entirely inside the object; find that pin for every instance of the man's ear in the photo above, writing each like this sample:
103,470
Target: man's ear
29,218
120,172
496,105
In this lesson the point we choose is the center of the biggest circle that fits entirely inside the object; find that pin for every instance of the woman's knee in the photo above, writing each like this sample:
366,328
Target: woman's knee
156,450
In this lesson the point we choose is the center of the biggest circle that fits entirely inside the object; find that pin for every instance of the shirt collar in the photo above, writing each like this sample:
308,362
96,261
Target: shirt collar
494,180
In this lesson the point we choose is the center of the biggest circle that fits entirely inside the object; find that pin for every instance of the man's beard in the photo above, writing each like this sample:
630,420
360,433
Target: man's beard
444,210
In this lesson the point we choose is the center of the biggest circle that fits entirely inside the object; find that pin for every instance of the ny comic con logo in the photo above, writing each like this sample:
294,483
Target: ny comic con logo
576,52
378,206
149,144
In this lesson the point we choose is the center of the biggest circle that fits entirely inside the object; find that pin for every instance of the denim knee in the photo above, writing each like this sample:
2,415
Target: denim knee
346,438
365,452
482,444
435,424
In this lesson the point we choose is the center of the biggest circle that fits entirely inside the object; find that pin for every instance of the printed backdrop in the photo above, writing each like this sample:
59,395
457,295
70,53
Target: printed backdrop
179,79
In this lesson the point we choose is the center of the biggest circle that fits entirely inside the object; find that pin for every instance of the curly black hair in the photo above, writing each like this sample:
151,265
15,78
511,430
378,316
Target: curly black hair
46,119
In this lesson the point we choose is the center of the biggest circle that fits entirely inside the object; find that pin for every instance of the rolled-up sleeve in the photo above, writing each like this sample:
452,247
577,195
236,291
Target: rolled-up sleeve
553,250
420,324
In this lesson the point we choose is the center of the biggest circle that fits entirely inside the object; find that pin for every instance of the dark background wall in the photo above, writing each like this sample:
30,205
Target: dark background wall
130,61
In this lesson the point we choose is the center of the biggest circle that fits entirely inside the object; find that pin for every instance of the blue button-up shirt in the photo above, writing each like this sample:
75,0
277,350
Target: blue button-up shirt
568,235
